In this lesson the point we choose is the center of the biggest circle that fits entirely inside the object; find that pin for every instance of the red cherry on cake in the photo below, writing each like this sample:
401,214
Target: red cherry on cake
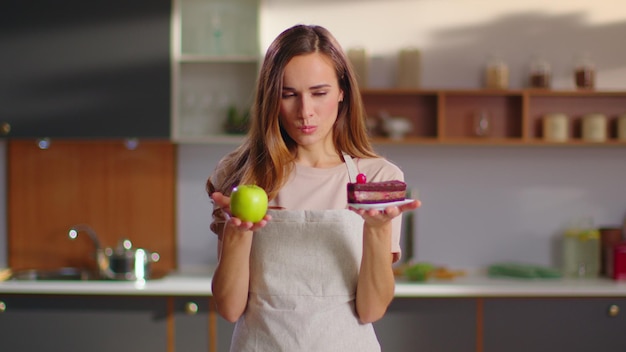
360,178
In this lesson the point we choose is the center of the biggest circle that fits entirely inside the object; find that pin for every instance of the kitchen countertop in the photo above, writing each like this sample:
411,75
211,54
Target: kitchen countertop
197,282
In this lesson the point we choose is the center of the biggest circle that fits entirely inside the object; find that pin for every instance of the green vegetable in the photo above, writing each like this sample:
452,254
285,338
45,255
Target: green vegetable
418,271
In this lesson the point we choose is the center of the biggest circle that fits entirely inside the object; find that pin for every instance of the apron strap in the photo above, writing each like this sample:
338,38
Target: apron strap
352,170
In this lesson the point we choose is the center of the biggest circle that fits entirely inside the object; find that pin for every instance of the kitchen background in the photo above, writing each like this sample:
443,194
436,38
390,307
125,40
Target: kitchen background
480,203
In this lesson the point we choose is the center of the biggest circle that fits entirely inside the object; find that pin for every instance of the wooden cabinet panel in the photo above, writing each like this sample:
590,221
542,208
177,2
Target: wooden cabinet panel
118,190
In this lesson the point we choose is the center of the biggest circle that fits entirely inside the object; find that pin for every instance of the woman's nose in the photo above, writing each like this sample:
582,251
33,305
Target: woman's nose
306,106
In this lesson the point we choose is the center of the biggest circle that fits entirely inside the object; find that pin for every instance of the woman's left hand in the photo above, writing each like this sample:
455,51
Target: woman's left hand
375,217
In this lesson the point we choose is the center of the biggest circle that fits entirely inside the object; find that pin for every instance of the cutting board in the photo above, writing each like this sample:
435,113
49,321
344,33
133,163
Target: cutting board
119,189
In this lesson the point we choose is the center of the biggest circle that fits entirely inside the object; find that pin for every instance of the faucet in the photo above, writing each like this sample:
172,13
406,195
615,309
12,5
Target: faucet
74,230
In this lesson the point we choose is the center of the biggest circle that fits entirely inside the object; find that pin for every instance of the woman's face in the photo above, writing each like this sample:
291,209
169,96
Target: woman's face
310,99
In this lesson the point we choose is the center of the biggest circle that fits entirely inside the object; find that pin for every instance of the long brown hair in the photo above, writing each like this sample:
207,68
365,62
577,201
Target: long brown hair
266,157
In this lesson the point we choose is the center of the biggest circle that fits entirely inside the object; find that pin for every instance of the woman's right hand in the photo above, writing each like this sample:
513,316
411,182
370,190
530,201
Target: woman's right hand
235,223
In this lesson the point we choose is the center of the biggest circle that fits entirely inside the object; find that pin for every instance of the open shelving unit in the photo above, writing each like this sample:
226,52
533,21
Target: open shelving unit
515,116
215,59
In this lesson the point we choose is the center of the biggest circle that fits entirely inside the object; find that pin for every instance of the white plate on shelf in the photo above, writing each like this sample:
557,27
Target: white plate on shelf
380,206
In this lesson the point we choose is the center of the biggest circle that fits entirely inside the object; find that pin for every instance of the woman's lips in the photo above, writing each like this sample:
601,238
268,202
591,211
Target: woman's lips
308,129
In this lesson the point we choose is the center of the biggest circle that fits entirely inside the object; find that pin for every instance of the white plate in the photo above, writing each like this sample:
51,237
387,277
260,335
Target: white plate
380,206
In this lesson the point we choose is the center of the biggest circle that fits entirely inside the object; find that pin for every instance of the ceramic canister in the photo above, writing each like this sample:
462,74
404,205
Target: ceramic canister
555,127
594,128
408,74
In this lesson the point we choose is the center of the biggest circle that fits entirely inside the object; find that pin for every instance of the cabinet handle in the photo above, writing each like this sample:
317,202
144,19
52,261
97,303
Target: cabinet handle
191,308
3,306
43,143
613,310
5,128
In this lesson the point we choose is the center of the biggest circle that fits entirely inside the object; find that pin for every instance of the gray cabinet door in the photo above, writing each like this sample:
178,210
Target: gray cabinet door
73,68
428,324
554,324
83,323
193,320
191,315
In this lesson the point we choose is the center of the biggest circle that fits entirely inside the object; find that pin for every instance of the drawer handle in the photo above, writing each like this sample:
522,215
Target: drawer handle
191,308
613,310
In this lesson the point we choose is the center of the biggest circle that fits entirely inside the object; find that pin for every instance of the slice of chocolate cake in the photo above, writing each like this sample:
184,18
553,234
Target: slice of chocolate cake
376,192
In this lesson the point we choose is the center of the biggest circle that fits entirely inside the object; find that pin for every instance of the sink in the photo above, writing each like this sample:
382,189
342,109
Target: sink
61,274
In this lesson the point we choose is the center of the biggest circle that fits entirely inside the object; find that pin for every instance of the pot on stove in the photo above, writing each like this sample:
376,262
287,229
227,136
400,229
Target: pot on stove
122,262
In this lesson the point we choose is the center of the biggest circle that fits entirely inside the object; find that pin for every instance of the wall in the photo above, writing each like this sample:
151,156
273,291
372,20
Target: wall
481,204
457,36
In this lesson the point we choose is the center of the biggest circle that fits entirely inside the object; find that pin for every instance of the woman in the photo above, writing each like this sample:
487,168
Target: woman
314,275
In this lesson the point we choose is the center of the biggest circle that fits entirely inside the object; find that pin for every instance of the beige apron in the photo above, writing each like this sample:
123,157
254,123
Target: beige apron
303,274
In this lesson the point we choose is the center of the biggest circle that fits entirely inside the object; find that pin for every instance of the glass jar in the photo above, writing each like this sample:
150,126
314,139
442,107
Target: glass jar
540,74
497,73
581,250
584,72
482,123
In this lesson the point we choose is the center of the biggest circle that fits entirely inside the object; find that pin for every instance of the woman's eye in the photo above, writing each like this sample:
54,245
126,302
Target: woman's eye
288,95
318,94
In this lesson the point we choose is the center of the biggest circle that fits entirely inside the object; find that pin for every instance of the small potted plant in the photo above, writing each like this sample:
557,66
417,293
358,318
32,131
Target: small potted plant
236,122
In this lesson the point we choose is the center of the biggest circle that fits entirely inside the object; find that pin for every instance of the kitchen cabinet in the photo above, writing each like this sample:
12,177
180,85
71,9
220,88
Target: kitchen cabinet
111,323
83,323
490,117
554,324
429,324
191,329
215,64
73,68
198,327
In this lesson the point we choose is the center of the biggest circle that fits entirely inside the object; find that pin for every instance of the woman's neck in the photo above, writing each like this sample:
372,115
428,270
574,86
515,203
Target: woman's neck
320,158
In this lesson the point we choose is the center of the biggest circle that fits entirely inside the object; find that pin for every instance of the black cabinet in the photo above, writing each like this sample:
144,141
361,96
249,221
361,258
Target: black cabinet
83,323
428,324
554,324
73,68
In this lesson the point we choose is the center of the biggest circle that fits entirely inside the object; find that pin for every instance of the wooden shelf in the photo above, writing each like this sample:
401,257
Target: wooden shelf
514,116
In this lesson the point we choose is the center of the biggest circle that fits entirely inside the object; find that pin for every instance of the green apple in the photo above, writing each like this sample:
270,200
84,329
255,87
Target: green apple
248,203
